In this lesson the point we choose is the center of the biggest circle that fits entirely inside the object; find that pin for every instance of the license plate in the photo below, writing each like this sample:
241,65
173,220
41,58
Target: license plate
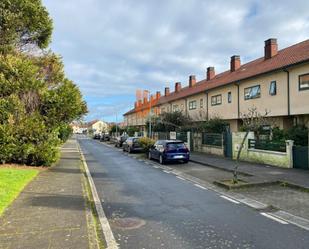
176,157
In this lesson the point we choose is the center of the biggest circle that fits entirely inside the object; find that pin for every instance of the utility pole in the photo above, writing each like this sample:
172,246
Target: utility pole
116,125
149,128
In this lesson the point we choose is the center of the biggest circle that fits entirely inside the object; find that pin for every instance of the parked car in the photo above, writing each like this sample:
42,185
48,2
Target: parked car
120,140
169,150
105,137
97,136
131,145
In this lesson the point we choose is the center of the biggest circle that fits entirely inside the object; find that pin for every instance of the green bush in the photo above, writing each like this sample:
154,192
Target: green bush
65,131
215,125
299,134
146,143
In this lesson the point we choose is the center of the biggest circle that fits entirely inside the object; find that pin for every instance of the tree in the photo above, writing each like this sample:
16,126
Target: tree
37,101
170,121
253,120
34,116
24,23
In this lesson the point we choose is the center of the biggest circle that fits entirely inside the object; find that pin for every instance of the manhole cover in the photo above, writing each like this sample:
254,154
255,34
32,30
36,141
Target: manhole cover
128,223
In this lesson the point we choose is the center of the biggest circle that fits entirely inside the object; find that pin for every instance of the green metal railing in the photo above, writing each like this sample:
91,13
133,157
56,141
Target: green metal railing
213,139
183,136
266,145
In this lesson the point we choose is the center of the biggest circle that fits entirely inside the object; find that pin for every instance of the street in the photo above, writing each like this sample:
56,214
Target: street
149,208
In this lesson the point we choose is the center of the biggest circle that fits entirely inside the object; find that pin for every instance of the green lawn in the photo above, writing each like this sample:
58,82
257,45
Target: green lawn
12,182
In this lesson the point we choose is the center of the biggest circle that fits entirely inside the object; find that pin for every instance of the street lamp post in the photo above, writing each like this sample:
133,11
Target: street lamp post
149,135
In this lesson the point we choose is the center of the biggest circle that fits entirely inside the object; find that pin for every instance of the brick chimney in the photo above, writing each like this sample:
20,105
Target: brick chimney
158,95
210,73
271,48
192,80
177,87
152,98
145,100
235,62
139,104
167,91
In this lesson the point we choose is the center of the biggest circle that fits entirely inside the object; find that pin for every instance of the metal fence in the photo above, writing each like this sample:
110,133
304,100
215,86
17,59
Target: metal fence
266,145
213,139
183,136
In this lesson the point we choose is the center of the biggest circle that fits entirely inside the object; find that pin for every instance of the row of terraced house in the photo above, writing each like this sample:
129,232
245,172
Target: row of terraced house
277,82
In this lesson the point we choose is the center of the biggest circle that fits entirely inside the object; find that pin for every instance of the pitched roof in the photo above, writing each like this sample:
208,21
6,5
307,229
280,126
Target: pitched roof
284,58
129,112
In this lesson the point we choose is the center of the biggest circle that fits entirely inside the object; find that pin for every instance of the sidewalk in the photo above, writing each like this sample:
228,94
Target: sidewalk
51,212
258,172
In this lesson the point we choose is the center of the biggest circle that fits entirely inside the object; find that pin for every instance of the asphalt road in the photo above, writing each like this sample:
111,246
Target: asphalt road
149,208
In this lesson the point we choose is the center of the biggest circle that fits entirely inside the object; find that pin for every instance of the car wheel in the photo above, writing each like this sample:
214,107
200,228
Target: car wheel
161,160
149,155
185,161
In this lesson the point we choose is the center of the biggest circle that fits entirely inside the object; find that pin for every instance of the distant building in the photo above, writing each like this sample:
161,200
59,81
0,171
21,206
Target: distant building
95,126
98,126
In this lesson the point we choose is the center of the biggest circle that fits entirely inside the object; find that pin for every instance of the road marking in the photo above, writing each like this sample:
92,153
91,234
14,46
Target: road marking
229,199
252,203
292,219
274,218
166,171
181,178
199,186
107,231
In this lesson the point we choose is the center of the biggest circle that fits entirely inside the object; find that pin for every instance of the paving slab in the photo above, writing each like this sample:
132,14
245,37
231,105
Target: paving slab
51,211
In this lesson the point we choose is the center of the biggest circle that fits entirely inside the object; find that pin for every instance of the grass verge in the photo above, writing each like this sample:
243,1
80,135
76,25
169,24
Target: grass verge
12,182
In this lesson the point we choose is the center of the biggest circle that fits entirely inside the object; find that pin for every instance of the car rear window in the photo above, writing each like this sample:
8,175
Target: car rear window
174,146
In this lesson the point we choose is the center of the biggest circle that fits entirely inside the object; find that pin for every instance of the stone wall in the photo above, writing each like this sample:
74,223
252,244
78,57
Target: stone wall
275,158
210,149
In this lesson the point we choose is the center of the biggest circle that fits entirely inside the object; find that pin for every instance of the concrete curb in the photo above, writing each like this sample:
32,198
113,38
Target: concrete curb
107,232
216,167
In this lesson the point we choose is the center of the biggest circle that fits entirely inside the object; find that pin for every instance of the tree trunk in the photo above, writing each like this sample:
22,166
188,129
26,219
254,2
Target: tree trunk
235,172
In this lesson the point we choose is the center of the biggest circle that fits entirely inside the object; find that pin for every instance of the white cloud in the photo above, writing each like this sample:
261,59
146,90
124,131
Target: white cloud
110,48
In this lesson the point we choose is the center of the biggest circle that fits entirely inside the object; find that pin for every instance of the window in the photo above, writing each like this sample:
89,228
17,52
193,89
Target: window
273,88
216,100
175,108
192,105
229,97
201,103
304,82
253,92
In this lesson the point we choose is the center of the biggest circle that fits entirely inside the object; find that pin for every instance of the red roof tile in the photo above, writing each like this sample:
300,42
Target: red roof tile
286,57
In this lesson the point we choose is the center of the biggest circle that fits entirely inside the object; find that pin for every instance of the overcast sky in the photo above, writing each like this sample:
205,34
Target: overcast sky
113,47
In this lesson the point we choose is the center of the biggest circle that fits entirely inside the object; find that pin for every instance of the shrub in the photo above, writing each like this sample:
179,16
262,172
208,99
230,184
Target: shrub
146,143
215,125
299,134
65,131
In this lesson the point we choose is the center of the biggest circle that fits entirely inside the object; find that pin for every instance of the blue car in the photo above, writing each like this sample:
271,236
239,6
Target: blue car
169,150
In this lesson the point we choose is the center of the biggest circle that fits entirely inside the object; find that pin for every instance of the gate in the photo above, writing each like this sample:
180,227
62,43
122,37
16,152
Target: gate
228,146
300,157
